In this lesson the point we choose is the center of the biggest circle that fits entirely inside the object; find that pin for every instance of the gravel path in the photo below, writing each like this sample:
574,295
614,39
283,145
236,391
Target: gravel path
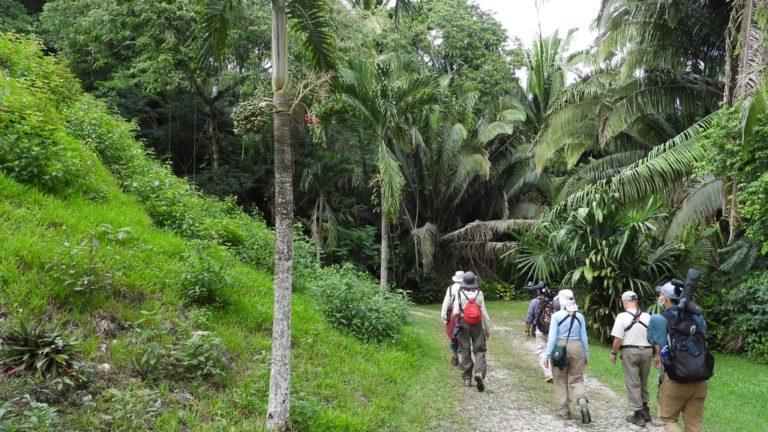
504,408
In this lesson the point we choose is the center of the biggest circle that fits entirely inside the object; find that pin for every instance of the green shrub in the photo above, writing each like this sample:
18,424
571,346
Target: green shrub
204,278
27,415
87,265
352,301
48,351
747,305
34,146
201,355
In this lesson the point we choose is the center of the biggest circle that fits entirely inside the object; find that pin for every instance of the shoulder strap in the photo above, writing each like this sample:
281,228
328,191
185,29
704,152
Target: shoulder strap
573,318
635,320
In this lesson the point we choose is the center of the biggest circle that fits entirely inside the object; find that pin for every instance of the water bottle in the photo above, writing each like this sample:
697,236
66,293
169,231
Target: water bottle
665,353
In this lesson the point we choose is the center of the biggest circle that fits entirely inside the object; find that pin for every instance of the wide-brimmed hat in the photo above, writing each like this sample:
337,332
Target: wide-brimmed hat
629,296
565,295
457,277
669,289
469,280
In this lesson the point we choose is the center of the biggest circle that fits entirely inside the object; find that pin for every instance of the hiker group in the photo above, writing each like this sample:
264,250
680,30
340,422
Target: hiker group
674,341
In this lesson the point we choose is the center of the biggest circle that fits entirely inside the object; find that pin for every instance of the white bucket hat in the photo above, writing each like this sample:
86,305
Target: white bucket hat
457,277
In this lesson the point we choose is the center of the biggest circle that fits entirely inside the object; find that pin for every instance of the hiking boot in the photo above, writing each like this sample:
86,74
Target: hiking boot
468,382
565,412
455,359
480,383
585,416
646,412
637,418
548,379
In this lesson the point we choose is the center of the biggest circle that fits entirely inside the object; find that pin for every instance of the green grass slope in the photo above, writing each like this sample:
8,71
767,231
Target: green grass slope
163,296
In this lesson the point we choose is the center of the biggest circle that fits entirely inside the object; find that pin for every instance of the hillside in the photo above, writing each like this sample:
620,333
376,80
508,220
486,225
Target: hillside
149,304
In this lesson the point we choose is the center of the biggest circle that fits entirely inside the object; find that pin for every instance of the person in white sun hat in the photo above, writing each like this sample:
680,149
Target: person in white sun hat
568,330
449,321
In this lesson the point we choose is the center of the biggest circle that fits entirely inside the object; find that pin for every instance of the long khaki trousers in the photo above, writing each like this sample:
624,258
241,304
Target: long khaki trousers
471,339
688,398
636,363
541,346
569,381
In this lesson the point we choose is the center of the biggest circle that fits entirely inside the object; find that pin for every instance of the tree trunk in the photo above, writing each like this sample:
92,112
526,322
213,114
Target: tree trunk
278,409
213,131
317,226
384,250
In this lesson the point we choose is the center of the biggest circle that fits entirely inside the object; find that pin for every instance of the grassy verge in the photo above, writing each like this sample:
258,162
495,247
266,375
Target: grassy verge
338,382
138,266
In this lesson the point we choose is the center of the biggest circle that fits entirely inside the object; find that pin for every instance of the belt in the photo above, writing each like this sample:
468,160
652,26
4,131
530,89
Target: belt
635,346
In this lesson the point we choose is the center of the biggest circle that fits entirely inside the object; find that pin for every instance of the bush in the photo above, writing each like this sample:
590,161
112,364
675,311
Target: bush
89,264
352,301
27,346
204,279
747,305
201,355
34,146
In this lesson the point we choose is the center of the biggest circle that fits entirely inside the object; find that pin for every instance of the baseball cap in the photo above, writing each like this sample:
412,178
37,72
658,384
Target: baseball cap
629,296
669,290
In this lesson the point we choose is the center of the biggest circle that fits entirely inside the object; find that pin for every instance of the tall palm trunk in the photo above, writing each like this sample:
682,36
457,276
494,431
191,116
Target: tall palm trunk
278,410
384,249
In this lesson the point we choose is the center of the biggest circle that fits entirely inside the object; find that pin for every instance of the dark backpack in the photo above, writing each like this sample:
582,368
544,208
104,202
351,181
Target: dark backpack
472,312
689,359
543,316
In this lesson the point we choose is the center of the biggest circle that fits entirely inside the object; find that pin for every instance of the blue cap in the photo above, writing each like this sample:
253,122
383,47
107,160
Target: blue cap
669,290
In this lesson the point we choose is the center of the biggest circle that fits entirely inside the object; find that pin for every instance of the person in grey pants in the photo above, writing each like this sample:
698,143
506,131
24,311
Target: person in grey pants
630,335
472,337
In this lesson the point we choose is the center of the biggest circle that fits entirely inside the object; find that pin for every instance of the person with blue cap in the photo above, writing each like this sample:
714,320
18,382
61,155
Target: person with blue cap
675,397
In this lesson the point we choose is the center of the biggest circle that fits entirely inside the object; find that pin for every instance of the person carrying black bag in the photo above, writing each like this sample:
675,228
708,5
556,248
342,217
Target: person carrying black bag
568,354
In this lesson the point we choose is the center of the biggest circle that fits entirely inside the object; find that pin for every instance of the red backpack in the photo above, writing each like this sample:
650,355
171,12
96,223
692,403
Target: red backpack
472,312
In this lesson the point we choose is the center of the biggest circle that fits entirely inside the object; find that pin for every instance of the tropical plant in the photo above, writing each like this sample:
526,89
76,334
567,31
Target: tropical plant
601,250
36,347
387,100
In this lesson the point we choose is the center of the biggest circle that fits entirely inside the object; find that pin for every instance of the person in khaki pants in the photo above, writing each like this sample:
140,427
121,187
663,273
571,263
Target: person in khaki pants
630,336
675,397
568,327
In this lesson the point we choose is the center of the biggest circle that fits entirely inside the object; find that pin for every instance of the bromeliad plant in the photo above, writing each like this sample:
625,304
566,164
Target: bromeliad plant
38,348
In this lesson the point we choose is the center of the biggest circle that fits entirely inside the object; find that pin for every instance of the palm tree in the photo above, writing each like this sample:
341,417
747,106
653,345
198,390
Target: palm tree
312,17
386,100
634,116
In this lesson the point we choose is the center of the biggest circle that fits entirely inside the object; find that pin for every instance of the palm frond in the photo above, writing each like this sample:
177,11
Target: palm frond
391,181
486,230
213,30
493,130
314,21
699,205
426,238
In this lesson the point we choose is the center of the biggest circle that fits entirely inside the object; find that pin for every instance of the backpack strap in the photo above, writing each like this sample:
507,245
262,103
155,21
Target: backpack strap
635,320
461,310
573,317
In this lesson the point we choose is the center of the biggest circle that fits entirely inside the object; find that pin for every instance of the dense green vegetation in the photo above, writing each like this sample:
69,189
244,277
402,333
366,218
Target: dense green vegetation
111,260
410,148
